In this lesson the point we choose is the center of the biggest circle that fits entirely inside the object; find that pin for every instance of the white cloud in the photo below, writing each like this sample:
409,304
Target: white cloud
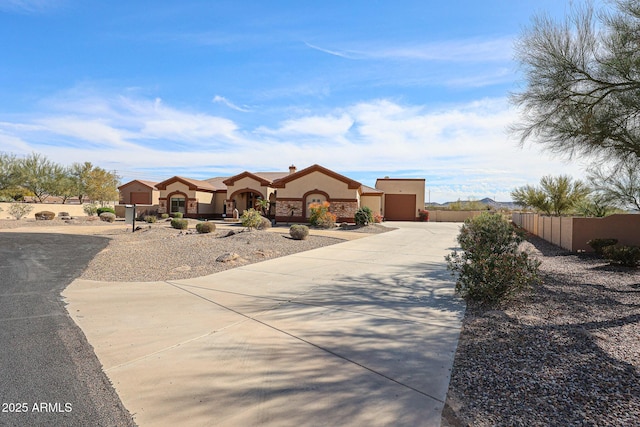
222,100
462,150
29,6
326,126
466,50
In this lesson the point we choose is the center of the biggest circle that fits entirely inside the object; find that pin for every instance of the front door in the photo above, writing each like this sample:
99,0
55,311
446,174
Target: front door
251,203
178,204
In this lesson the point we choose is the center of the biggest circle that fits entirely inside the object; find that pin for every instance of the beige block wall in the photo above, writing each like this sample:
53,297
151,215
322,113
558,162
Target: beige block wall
141,210
452,216
205,202
404,186
317,180
73,210
566,233
219,202
573,233
372,202
624,227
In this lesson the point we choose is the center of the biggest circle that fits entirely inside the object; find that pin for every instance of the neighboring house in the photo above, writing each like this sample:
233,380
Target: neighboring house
290,194
191,197
139,192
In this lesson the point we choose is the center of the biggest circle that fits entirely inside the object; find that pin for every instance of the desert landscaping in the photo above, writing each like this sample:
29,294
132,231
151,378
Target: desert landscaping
567,352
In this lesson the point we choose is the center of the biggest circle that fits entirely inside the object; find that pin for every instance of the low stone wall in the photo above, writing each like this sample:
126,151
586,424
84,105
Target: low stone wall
73,210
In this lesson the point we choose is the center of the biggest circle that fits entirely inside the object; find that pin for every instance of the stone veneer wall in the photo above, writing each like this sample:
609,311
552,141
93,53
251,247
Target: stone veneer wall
192,206
283,208
345,211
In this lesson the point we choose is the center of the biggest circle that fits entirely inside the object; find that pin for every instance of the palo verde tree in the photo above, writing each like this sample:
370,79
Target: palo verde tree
582,92
39,175
80,175
7,171
619,185
102,185
555,195
94,182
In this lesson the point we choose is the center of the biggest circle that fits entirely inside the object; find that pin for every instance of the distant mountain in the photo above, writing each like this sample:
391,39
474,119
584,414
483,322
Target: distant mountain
486,201
499,205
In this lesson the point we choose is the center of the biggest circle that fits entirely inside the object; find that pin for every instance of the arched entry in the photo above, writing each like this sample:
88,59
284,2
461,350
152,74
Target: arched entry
245,199
314,196
177,202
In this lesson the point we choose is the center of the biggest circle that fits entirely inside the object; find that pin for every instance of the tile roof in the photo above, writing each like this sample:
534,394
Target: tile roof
218,182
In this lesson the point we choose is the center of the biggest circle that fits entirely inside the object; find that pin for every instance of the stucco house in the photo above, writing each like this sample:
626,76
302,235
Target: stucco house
139,192
290,193
191,197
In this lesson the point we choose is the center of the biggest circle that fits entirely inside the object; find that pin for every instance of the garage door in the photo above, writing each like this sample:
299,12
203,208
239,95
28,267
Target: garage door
400,207
140,198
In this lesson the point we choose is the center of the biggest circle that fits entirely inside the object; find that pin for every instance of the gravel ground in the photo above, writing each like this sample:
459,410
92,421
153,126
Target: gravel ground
158,252
163,253
565,354
30,222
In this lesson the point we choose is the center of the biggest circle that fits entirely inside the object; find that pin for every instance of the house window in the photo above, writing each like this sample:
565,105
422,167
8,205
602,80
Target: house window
177,204
314,201
250,201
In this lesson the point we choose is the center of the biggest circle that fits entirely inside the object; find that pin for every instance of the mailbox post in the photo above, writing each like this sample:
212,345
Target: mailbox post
130,216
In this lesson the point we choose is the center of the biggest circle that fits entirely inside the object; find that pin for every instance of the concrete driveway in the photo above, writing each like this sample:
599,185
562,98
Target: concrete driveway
359,333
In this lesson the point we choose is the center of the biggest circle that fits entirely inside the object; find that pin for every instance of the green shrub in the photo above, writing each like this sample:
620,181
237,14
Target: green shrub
363,216
177,215
107,216
90,209
18,210
320,215
45,215
150,219
491,268
105,209
205,227
179,223
299,232
628,256
599,244
264,223
164,216
251,218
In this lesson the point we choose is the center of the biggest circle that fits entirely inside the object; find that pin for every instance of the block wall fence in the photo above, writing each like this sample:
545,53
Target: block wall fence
573,233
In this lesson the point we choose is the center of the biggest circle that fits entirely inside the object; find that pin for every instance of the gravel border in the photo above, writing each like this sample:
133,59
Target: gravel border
163,253
8,224
565,354
158,252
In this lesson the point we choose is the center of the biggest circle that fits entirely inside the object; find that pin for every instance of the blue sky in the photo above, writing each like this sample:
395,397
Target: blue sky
209,88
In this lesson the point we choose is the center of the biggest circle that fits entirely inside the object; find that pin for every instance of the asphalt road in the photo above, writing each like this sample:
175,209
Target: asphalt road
49,374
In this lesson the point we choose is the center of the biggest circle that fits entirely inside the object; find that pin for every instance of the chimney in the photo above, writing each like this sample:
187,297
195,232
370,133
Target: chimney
292,169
